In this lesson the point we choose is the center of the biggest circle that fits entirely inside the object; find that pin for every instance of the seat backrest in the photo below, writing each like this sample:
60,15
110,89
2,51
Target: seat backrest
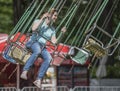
80,55
100,41
95,47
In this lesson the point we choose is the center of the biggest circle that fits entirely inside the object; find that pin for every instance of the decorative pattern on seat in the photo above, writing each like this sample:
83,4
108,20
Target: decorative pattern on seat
95,48
19,54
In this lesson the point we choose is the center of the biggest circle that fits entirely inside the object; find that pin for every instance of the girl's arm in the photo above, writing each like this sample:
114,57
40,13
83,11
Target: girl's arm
53,40
37,23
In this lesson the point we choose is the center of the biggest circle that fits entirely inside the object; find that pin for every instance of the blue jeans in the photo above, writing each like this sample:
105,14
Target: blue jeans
38,49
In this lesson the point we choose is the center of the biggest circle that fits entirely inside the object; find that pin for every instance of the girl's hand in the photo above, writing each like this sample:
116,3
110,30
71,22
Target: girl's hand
45,15
63,29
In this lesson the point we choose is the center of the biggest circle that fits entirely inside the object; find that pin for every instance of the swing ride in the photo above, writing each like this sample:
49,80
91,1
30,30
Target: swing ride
87,43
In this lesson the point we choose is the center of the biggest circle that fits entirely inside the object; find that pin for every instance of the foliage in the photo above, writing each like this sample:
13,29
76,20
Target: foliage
113,71
6,16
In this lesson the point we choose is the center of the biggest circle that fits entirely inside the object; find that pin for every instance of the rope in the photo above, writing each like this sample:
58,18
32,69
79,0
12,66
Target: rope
101,10
109,15
107,19
29,21
40,12
80,37
4,68
54,4
68,20
61,6
79,29
12,73
117,42
73,3
68,37
63,20
96,16
22,18
73,14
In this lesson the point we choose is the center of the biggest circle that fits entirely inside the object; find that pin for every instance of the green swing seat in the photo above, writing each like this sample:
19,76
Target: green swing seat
80,55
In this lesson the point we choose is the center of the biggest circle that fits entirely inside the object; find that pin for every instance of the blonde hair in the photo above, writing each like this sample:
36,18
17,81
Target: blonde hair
52,11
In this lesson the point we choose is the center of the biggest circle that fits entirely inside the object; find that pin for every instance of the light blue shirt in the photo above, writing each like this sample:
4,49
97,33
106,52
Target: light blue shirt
45,33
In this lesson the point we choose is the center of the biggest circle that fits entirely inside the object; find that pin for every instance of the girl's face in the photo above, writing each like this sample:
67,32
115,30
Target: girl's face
54,16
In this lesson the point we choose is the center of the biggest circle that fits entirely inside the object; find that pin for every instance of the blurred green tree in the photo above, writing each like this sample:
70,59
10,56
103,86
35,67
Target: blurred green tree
6,16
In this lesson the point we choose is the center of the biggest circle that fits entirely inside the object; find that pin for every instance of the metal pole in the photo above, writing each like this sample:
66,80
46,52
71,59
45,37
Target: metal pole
18,77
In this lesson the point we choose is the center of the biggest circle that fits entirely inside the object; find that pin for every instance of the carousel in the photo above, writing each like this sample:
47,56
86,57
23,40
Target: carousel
83,49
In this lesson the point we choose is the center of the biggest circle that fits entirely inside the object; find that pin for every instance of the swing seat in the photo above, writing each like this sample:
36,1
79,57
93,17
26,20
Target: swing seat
15,53
80,55
62,49
59,49
19,54
59,54
97,44
57,60
95,47
6,56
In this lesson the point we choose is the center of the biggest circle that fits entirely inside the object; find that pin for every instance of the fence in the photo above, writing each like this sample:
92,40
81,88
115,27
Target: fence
64,88
8,89
96,88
